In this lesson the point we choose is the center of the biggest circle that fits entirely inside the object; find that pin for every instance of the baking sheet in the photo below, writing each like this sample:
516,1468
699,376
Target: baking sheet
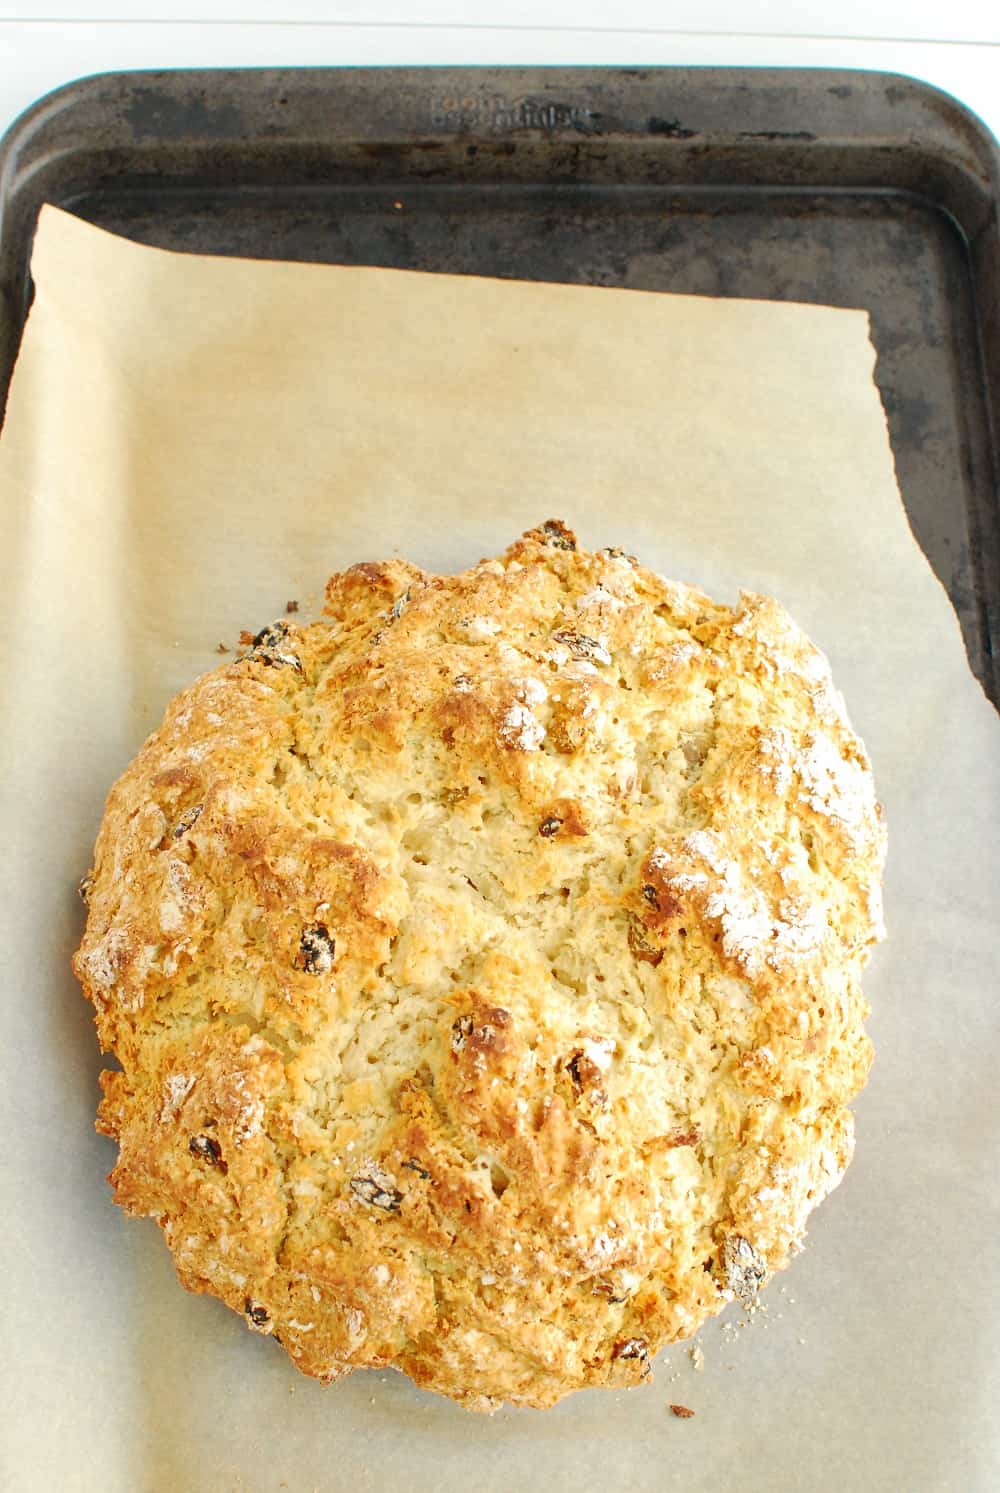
837,188
189,443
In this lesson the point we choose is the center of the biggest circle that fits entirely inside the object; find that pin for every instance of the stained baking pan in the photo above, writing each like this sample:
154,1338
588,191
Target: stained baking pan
843,188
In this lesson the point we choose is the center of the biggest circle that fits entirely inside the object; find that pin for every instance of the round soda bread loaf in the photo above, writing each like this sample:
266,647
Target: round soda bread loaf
483,966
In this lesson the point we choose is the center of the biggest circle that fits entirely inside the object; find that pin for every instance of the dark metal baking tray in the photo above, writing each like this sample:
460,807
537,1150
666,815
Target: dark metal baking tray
844,188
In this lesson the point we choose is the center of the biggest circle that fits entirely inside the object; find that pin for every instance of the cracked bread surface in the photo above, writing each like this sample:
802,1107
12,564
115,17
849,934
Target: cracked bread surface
483,964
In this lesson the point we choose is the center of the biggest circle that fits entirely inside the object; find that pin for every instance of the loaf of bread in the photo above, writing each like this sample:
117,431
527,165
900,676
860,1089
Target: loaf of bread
482,962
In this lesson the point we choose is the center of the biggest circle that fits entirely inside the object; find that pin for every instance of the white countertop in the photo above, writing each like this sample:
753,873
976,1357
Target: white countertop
44,43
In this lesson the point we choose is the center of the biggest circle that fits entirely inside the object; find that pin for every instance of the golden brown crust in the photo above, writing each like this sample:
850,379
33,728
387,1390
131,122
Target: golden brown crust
483,965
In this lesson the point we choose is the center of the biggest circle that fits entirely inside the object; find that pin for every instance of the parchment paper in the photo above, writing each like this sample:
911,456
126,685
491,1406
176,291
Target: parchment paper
189,443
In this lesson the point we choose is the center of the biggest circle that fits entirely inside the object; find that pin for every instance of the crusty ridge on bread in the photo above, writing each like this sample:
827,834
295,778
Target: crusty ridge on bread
483,965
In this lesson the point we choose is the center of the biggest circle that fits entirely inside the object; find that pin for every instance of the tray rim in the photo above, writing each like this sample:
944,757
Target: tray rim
924,102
